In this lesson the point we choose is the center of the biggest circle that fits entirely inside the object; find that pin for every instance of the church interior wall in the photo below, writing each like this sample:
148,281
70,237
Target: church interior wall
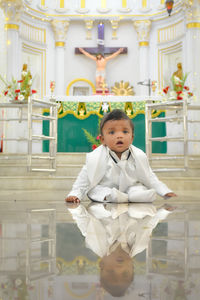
125,67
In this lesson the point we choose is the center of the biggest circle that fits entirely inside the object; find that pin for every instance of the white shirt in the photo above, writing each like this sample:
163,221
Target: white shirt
120,173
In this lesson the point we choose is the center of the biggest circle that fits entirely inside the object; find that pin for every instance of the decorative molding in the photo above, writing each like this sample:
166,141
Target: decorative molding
61,10
43,7
82,10
12,10
103,10
115,25
33,33
144,44
11,27
59,44
143,28
42,54
171,32
80,79
60,30
89,26
161,53
124,10
193,25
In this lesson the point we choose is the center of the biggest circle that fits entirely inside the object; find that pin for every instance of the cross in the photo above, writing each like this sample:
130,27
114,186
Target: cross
100,45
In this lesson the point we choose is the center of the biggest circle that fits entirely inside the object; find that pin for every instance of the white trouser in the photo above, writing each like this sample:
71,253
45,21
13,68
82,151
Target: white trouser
134,194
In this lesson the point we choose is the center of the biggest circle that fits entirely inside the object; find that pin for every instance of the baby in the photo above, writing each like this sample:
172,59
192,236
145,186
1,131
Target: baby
117,171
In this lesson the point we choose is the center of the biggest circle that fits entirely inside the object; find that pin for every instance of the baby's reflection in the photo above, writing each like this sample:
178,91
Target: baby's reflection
116,233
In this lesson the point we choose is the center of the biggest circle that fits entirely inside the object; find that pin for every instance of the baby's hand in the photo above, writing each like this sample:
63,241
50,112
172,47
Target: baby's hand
170,195
169,207
72,199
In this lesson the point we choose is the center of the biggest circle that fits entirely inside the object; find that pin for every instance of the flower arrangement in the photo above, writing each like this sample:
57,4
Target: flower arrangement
19,90
179,90
94,141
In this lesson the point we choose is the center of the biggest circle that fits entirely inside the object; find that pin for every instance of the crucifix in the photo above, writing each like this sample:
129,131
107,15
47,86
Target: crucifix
100,51
100,45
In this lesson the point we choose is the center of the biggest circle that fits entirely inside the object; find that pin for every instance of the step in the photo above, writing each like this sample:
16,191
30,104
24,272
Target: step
35,183
65,182
21,170
61,158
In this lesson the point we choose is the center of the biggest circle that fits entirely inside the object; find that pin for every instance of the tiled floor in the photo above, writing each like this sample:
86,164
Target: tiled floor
49,251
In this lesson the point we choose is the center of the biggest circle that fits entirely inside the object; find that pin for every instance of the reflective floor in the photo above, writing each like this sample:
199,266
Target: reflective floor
96,251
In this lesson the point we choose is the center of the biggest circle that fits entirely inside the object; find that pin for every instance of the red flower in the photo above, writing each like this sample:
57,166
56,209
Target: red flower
19,81
16,98
17,91
190,94
179,98
5,93
179,92
165,90
186,88
34,91
97,138
94,147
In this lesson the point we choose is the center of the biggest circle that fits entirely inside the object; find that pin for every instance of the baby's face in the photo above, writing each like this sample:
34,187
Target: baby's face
117,135
116,269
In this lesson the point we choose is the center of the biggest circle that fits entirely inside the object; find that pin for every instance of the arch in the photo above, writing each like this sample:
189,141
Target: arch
80,79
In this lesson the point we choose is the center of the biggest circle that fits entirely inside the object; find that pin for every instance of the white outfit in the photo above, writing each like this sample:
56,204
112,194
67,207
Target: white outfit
106,178
129,225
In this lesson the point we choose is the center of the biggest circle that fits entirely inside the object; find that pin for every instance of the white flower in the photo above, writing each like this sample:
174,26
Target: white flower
21,98
24,73
30,82
172,95
184,96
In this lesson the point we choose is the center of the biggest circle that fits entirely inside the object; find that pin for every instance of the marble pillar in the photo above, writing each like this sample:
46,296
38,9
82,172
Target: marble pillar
143,28
60,31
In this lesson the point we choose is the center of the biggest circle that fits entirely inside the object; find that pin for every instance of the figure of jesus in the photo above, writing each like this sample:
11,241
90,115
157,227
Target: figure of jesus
101,62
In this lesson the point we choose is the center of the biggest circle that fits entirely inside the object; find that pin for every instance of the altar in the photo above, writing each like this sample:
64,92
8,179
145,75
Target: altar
79,117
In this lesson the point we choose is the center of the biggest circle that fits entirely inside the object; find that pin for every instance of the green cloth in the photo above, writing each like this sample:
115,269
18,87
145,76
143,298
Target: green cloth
71,137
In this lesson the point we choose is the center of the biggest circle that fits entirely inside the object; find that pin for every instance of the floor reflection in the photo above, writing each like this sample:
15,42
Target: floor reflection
96,251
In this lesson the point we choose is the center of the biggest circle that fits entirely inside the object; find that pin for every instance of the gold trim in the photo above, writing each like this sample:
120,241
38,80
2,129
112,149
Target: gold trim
82,3
43,30
166,28
80,79
124,3
11,26
59,44
62,3
144,3
97,113
165,16
193,25
144,44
